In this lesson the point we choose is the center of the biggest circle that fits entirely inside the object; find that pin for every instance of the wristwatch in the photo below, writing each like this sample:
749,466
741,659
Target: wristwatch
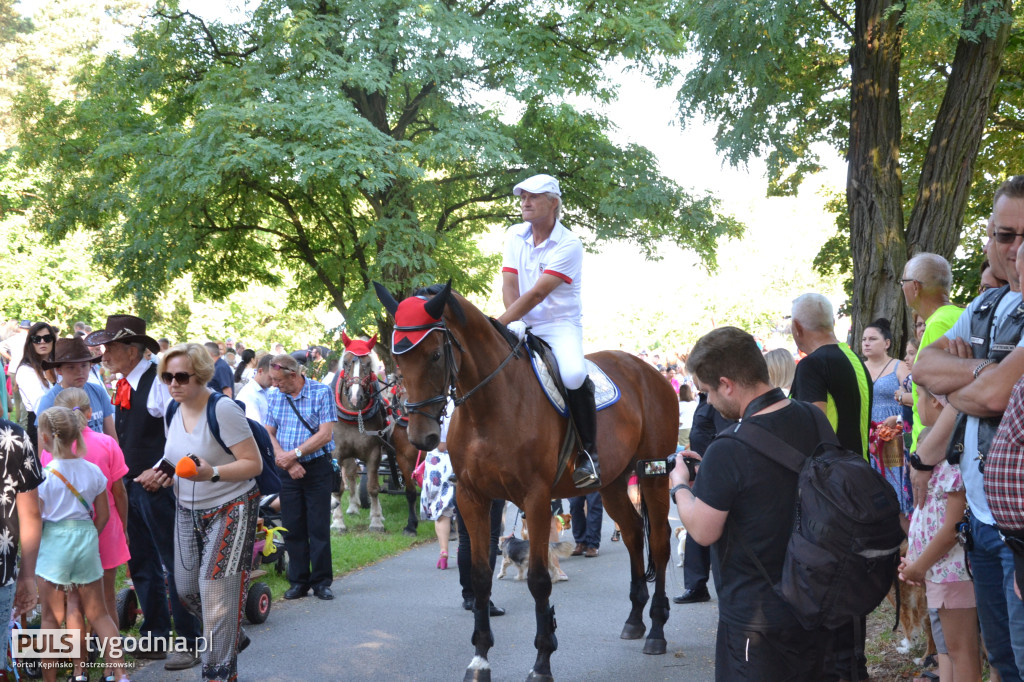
672,493
216,475
916,463
298,453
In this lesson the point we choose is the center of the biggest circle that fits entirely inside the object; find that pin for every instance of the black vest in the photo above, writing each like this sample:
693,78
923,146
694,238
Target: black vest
140,434
993,346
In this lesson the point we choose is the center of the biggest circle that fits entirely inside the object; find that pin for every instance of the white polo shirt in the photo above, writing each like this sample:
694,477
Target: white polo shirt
560,255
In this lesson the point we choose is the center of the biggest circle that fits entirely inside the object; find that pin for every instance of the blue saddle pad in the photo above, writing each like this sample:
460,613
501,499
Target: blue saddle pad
606,393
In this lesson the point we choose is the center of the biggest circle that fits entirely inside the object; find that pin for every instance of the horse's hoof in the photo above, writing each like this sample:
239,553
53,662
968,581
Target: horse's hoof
377,529
630,631
340,530
478,675
655,647
352,512
537,677
408,532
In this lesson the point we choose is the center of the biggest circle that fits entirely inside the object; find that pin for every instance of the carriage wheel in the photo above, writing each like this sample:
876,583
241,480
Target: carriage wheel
257,603
127,607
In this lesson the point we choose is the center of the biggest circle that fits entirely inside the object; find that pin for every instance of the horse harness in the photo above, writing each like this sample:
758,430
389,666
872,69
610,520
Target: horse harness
453,372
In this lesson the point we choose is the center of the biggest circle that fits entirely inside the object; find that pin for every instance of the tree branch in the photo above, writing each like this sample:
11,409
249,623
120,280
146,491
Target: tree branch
836,15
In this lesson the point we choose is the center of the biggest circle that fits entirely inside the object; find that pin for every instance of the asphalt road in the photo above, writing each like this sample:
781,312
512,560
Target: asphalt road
402,619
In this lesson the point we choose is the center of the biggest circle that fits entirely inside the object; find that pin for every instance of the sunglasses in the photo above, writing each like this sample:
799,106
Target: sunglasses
1007,237
181,377
42,338
282,368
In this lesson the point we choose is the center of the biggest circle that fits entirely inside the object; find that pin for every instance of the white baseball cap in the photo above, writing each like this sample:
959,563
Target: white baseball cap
538,184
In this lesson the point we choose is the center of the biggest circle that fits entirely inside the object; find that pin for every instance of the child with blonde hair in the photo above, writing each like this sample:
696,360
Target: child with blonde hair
104,452
74,509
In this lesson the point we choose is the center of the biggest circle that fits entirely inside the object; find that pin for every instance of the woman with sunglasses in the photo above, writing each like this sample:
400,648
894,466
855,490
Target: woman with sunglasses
32,379
217,504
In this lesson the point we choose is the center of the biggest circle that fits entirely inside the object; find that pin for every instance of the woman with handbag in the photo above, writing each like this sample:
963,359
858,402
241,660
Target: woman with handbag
218,502
885,440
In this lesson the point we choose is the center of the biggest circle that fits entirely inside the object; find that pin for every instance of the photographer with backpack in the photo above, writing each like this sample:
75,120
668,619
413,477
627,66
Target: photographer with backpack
762,500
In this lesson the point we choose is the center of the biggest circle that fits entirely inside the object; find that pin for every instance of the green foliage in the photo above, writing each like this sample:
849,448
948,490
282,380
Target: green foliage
327,144
775,77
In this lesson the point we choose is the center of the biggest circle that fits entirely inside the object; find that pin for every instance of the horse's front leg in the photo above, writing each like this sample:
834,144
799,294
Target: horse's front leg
350,481
373,488
538,516
337,517
475,514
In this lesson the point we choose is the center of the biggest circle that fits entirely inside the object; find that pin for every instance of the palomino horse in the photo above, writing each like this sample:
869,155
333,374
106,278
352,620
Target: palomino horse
504,439
362,417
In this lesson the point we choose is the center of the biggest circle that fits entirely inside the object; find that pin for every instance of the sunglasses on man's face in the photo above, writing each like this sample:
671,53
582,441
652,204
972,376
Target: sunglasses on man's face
181,377
282,368
42,338
1007,237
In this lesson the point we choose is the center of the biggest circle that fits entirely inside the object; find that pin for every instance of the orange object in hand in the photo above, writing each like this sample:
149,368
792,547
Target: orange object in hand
186,468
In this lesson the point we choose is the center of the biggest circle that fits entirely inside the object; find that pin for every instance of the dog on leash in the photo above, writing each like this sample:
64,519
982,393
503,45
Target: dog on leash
516,552
680,535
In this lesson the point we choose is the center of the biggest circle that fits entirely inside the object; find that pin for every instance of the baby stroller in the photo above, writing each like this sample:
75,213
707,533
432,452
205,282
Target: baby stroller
258,596
267,550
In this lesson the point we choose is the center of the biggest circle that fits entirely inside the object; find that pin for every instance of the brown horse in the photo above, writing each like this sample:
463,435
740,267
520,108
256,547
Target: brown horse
504,438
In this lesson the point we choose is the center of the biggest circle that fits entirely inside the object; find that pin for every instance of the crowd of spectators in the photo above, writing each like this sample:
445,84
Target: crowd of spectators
143,402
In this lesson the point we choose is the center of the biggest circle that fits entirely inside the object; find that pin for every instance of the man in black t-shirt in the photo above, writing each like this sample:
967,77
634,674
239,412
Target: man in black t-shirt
831,377
835,380
743,497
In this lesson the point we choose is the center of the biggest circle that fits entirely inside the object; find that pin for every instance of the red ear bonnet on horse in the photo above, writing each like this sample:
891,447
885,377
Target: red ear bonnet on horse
357,347
415,317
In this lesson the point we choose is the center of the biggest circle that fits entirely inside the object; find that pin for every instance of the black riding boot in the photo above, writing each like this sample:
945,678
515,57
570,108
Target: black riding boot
581,403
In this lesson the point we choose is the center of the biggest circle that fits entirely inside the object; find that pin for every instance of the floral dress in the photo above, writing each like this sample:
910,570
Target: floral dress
883,406
438,496
951,567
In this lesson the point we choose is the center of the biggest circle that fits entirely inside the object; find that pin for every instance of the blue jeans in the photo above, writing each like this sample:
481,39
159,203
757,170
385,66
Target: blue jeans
586,527
151,543
1000,611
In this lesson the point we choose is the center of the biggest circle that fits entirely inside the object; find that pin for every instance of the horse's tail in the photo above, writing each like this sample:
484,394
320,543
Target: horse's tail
651,573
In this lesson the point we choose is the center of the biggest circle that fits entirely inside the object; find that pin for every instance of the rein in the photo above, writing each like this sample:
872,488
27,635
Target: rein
453,373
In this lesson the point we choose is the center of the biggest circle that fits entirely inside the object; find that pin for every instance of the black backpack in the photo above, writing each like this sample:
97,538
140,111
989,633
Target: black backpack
844,552
268,481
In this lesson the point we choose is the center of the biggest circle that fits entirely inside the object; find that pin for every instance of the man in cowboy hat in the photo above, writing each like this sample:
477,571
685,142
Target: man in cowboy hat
541,282
73,361
140,401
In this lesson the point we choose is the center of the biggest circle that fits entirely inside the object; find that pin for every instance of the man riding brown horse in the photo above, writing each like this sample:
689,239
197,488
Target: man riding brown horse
541,282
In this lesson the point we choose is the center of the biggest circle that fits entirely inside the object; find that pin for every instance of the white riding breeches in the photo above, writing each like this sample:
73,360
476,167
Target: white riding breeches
566,341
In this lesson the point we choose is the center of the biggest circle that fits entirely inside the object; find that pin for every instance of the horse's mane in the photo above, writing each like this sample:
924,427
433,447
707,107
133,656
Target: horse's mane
453,303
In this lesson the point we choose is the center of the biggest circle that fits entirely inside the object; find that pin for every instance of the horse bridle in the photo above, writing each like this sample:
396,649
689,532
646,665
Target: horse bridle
450,342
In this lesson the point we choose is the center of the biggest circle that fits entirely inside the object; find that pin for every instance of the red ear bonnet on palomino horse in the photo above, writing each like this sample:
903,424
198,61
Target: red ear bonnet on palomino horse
358,347
415,317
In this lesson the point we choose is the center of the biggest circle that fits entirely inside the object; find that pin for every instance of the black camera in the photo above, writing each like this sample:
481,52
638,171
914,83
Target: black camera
661,467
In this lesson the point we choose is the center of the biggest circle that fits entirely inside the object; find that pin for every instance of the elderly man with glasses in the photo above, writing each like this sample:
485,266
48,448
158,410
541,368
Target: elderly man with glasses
300,421
975,365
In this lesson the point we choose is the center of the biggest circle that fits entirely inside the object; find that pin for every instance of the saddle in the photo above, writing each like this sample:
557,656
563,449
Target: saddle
545,368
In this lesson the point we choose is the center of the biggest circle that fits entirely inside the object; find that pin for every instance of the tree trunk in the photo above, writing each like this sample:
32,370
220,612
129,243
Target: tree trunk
874,185
937,217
